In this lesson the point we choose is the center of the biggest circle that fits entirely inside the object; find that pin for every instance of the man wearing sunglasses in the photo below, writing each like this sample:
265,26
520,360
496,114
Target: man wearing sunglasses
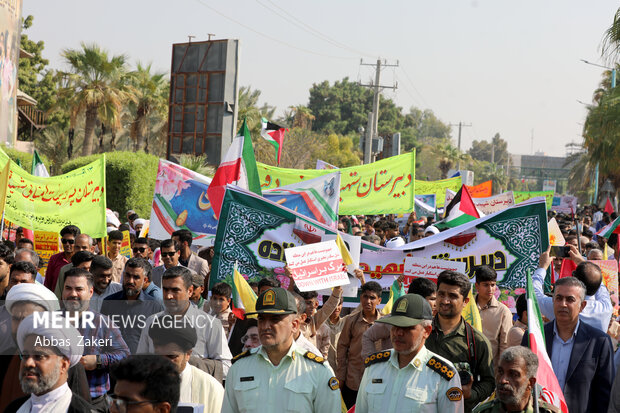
141,249
57,261
170,253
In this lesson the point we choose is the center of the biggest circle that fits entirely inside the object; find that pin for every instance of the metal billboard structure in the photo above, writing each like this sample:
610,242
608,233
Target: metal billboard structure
203,98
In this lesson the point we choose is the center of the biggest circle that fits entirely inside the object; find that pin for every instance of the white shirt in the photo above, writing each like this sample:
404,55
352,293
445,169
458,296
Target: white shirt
305,344
211,342
55,401
199,387
596,313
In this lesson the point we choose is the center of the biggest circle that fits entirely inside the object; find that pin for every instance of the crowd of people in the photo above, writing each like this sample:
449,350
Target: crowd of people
99,331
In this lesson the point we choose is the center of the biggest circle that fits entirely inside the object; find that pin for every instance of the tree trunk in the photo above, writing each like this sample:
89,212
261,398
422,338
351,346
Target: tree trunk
89,131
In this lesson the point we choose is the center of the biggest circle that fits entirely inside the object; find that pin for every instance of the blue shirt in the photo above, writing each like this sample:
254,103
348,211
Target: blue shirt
560,353
598,309
155,292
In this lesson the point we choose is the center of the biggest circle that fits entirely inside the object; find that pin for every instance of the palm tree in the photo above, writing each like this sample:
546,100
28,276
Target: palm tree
151,104
301,117
610,47
98,87
448,156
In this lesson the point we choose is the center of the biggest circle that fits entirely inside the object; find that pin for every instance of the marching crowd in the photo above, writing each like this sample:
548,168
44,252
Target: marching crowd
102,332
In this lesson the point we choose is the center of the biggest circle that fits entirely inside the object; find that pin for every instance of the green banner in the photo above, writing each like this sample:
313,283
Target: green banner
49,204
382,187
438,188
521,196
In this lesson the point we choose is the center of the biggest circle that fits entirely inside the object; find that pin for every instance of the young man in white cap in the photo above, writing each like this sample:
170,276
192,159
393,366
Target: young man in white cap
46,355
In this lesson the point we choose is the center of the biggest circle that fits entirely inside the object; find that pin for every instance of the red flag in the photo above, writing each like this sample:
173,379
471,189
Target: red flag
608,207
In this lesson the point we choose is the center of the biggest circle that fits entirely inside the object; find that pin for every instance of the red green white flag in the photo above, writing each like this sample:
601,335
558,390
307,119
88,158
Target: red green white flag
551,393
274,134
611,228
460,210
238,168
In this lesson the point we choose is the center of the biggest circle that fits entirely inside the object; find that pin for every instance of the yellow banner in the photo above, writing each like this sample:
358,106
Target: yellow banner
438,188
49,204
382,187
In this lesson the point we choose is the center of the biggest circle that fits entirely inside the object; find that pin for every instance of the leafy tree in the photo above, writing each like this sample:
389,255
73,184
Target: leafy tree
299,116
339,151
97,86
496,150
150,106
448,157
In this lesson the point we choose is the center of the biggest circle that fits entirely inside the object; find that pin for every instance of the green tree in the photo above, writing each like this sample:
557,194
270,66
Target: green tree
150,106
448,156
496,150
97,86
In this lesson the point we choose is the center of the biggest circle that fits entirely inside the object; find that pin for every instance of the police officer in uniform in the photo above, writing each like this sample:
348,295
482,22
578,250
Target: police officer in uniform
409,378
514,381
279,376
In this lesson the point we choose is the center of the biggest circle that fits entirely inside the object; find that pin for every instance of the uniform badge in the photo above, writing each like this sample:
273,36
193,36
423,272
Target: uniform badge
454,394
402,306
377,380
333,383
416,362
269,298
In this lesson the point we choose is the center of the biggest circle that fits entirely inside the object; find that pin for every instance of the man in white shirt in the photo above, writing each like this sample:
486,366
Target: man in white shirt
598,309
176,344
177,289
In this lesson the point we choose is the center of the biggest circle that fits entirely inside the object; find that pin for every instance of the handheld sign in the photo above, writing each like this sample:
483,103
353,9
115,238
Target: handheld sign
429,268
316,266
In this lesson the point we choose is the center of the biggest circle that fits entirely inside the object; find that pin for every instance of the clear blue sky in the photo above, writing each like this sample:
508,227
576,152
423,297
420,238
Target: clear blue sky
503,66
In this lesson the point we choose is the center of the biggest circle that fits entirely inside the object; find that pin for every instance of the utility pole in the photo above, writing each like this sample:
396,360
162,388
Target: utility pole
460,125
373,131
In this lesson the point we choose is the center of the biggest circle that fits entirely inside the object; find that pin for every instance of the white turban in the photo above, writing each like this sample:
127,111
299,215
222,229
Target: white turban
139,221
432,229
67,338
395,243
35,293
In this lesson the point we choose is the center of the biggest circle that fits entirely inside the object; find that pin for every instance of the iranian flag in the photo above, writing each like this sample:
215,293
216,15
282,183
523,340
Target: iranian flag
551,393
238,168
612,228
274,134
243,297
460,210
38,168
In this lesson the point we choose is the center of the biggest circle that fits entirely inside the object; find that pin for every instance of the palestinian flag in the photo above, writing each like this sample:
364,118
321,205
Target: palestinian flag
274,134
609,229
243,297
460,210
38,168
238,168
552,392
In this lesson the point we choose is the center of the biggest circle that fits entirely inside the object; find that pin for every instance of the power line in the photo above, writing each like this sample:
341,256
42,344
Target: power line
270,37
414,88
309,29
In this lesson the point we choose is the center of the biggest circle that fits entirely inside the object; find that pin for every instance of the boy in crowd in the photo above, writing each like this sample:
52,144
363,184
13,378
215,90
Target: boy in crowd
349,350
219,304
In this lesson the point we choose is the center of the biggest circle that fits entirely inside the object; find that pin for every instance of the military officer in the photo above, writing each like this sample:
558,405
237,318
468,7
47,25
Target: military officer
409,378
514,381
279,375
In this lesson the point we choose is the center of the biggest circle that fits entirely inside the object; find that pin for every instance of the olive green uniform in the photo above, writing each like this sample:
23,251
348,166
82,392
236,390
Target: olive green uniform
454,347
495,406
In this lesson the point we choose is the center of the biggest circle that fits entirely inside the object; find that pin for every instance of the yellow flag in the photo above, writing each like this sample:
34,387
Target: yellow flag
606,252
346,256
470,312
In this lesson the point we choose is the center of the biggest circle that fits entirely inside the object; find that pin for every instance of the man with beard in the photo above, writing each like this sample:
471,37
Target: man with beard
456,340
103,343
46,355
103,286
131,303
278,375
409,378
211,343
514,384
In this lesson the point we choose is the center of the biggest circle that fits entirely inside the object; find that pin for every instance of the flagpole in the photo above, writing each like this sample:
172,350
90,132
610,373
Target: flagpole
2,225
535,396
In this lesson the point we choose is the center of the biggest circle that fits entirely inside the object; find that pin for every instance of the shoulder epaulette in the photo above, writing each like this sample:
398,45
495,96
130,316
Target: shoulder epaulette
440,367
377,357
311,356
241,355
